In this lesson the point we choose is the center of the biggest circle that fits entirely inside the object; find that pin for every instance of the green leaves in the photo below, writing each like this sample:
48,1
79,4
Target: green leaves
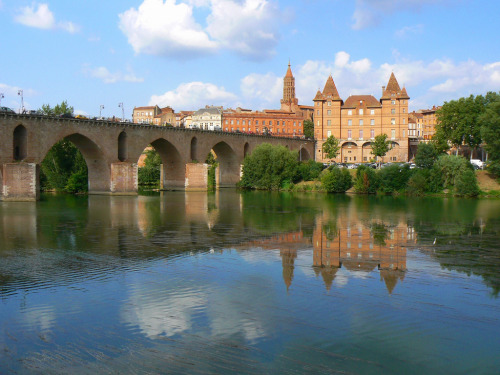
331,147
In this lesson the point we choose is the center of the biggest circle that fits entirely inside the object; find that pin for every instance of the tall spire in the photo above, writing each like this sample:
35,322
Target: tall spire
289,100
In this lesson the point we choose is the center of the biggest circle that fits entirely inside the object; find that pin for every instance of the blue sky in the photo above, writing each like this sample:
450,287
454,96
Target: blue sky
190,53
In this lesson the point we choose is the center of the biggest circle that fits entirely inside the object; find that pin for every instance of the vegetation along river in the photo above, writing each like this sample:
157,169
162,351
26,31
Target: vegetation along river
249,283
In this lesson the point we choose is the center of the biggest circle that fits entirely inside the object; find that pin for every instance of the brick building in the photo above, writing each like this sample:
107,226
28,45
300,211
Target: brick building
357,121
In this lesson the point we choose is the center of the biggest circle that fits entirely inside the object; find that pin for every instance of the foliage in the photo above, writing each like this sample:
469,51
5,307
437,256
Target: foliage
394,177
310,170
212,168
59,109
380,145
331,147
449,167
490,131
269,167
337,180
466,184
309,129
149,175
366,180
426,155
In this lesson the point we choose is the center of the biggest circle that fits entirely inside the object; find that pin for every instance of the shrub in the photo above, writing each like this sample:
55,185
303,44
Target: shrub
366,180
268,167
337,180
310,170
77,182
466,184
394,177
449,167
426,155
417,184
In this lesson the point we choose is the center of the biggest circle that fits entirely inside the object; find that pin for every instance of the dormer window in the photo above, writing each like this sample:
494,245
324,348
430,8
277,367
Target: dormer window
360,102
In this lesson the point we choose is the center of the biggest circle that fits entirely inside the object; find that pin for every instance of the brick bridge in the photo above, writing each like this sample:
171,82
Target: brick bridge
112,150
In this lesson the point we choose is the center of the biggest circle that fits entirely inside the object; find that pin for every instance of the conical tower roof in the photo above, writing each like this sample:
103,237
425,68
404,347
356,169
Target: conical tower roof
392,87
319,96
289,71
330,89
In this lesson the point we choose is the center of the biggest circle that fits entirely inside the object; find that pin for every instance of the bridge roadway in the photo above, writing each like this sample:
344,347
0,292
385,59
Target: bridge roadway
112,150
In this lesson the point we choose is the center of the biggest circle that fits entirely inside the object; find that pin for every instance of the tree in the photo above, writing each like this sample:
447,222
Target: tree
149,175
426,155
309,129
380,146
490,131
331,147
337,180
269,167
63,168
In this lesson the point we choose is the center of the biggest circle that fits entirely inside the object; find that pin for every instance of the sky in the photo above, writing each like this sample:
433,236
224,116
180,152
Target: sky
234,53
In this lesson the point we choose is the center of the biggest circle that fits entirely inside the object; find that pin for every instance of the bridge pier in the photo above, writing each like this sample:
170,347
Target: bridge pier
196,177
124,178
20,182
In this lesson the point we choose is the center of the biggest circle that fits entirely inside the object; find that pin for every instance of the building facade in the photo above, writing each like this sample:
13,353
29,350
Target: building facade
208,118
357,121
145,115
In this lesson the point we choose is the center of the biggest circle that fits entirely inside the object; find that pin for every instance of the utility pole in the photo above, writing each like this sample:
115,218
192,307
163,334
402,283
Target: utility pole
101,107
20,93
120,105
1,97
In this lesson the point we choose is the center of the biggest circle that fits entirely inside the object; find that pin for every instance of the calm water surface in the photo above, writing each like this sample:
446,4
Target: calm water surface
249,283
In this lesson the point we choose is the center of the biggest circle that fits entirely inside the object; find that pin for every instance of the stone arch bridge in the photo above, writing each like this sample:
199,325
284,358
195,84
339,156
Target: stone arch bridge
112,150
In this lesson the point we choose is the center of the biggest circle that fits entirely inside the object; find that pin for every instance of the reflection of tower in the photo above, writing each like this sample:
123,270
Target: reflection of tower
326,251
391,277
288,259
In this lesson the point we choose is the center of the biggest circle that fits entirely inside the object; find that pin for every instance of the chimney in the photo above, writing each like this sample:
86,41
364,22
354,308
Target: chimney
383,90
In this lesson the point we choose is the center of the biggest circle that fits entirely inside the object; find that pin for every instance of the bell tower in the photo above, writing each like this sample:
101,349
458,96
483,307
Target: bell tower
289,101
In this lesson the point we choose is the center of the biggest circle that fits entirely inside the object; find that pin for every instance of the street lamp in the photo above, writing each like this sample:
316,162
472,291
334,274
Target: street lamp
20,93
120,105
1,97
101,107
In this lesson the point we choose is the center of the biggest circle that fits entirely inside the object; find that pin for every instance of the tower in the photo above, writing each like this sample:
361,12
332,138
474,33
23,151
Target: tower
289,101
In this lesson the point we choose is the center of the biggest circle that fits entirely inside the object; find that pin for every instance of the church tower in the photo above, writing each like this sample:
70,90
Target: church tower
289,102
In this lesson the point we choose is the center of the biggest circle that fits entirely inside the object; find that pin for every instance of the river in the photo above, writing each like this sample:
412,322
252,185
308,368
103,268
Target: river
249,283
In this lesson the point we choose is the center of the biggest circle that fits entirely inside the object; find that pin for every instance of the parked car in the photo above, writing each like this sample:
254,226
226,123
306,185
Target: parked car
81,117
477,164
7,110
66,115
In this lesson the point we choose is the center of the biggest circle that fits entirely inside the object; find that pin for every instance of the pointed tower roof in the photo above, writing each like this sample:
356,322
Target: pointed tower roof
289,71
392,87
404,94
328,274
319,96
390,278
330,89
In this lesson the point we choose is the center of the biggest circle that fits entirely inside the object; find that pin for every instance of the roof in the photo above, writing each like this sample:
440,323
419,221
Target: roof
354,101
147,107
330,89
211,110
289,71
393,90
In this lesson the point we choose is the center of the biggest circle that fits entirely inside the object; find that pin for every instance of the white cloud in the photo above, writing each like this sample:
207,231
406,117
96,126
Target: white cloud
165,28
262,90
169,28
194,95
369,13
407,30
247,27
106,76
40,16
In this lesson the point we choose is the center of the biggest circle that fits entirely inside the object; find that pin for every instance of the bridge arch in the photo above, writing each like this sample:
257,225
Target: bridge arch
122,146
304,154
173,165
20,146
246,150
229,164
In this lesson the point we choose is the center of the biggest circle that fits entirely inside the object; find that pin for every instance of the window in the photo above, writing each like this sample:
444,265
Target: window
403,133
393,111
361,134
329,112
372,121
329,133
277,122
226,128
227,121
256,122
318,123
372,133
349,122
243,129
237,122
393,133
329,104
349,134
349,112
360,122
329,122
372,111
232,122
317,111
277,131
393,102
294,124
404,110
393,121
361,111
243,122
270,123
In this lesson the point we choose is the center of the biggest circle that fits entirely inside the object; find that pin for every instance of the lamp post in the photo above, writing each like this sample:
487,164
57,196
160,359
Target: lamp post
101,107
1,97
20,93
120,105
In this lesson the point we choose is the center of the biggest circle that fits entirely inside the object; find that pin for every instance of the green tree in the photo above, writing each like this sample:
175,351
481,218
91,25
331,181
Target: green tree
331,147
426,155
380,146
149,175
366,181
64,168
490,130
309,129
337,180
269,167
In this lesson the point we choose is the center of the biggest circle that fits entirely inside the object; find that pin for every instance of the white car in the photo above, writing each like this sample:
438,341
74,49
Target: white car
477,163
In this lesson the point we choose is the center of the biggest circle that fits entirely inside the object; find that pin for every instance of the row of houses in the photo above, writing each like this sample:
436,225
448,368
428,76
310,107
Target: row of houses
355,121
